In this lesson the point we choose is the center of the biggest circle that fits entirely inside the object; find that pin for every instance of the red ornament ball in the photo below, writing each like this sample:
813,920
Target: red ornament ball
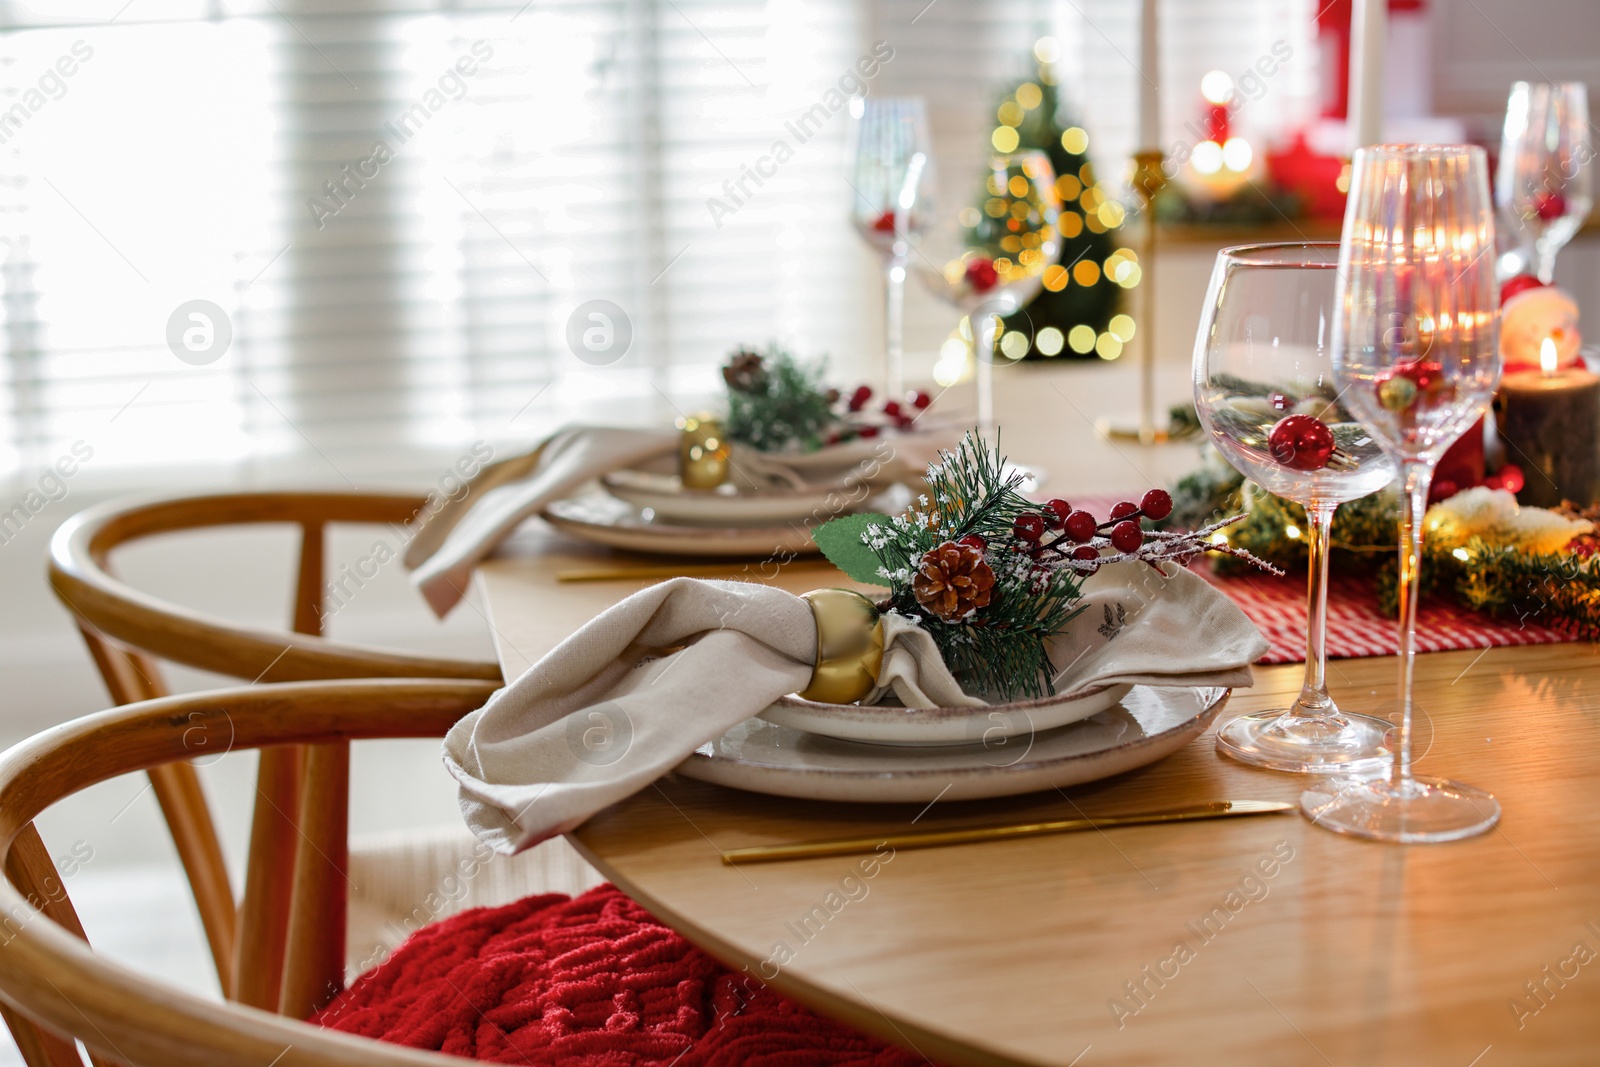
1124,509
1301,442
1280,402
859,398
1521,283
1056,513
1028,526
1549,205
981,274
1157,504
973,541
1126,536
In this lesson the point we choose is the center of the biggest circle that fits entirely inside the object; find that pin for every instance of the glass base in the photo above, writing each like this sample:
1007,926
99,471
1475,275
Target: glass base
1417,811
1327,743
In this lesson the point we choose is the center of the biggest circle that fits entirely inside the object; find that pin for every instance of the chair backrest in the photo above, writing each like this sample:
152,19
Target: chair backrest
126,630
55,989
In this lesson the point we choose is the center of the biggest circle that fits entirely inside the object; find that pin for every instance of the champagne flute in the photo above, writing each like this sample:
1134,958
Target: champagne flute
1544,185
991,270
1416,358
892,175
1263,387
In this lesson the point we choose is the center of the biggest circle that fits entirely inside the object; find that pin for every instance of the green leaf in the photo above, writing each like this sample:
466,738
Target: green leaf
840,540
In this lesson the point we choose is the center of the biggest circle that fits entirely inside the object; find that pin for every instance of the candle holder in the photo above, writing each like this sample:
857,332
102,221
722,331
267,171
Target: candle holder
1549,420
1149,177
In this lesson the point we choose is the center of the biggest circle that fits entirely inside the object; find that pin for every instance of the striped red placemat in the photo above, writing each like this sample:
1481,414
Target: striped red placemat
1355,625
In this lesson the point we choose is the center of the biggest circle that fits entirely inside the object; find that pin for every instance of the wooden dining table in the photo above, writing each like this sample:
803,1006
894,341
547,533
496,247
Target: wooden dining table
1262,940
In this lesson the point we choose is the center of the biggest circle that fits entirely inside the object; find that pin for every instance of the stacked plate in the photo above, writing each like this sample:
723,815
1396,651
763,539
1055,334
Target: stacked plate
652,511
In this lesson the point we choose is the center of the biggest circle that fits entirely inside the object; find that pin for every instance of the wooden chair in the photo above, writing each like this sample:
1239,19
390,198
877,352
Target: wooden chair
54,989
127,630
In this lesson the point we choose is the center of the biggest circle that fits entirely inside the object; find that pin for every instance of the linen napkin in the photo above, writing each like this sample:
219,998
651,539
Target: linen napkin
448,544
634,692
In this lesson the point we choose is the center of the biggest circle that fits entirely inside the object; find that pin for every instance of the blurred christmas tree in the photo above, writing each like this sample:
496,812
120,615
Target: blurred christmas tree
1075,315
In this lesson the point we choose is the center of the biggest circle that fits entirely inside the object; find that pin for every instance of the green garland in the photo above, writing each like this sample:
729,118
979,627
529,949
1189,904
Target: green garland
1560,591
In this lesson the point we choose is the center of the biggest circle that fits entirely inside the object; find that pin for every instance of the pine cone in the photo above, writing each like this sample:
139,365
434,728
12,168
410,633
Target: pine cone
746,372
953,581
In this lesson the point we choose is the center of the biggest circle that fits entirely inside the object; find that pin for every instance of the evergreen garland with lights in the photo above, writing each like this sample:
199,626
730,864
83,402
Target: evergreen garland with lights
1075,314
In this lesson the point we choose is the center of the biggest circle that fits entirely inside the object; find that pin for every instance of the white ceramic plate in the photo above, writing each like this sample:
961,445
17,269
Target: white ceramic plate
890,724
666,498
1145,726
608,521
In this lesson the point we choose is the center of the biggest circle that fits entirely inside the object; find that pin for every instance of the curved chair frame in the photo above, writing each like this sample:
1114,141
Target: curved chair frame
54,989
125,628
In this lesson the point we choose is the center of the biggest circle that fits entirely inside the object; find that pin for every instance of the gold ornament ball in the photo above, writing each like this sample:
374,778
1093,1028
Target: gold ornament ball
849,646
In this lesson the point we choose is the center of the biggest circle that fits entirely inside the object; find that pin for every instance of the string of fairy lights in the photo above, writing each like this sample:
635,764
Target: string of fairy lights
1084,203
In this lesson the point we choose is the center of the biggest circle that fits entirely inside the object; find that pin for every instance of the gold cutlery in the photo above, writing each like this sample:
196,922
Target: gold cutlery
846,846
756,571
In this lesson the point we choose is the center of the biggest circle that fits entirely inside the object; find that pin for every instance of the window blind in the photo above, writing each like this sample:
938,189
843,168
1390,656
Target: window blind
398,206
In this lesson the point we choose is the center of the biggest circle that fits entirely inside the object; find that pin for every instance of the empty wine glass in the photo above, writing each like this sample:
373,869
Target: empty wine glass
1544,185
892,175
1415,355
992,269
1264,389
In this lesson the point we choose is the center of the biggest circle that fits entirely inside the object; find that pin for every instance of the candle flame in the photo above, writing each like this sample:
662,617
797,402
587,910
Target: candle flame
1547,356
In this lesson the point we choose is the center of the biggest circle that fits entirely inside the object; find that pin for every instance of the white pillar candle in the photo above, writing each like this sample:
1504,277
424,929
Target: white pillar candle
1149,78
1369,29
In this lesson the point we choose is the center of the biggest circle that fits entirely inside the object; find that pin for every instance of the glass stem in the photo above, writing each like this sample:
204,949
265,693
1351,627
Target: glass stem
1314,699
1417,476
1547,262
985,331
894,369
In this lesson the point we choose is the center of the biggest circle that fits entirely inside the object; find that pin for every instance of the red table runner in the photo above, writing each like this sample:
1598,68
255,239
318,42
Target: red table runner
1355,625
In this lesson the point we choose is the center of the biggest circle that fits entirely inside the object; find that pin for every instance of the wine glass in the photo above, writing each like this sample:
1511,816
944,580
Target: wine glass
990,270
892,175
1544,185
1264,389
1416,358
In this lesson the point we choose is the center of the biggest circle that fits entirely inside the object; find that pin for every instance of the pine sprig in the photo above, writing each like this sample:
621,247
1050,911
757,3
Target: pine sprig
785,407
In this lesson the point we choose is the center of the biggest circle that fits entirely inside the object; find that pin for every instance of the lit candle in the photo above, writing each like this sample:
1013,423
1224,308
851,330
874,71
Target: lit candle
1550,422
1149,79
1369,28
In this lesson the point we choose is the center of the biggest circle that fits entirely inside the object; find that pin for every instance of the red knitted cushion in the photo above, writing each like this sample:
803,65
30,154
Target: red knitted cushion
592,981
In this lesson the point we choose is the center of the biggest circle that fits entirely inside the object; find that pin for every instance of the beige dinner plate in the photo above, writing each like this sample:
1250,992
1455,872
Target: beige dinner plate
1144,726
891,724
665,498
605,520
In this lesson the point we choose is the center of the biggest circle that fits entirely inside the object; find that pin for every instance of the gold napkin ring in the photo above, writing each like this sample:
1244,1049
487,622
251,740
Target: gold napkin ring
703,452
849,646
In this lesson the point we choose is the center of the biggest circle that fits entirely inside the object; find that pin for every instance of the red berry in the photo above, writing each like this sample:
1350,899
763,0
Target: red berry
981,274
1123,510
1028,526
1301,443
1126,536
1549,205
1511,478
1520,283
973,541
1080,526
859,398
1056,512
868,431
904,422
891,408
1085,552
1157,504
920,400
884,223
1280,402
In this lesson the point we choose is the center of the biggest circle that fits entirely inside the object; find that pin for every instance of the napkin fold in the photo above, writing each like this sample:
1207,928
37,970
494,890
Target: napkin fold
633,693
448,544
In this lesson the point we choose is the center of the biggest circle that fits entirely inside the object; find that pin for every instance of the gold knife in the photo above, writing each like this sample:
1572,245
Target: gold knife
846,846
648,572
